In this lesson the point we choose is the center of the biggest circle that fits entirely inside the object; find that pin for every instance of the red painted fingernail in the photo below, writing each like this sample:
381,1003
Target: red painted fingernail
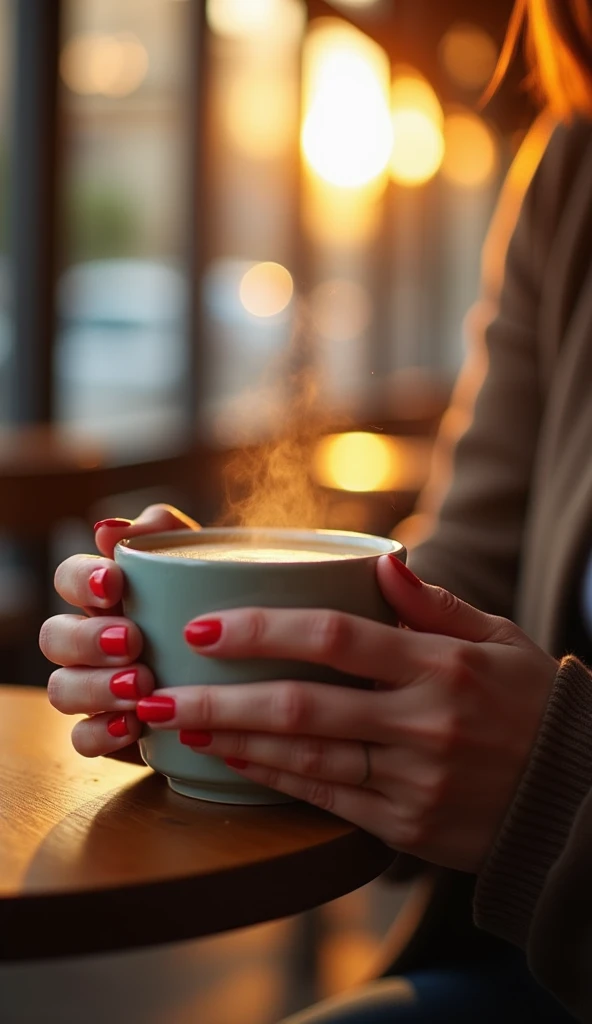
156,709
125,684
203,633
117,726
113,640
96,582
195,738
236,762
112,522
403,571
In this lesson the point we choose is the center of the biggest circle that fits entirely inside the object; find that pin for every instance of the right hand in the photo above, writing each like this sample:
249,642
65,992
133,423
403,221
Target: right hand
84,682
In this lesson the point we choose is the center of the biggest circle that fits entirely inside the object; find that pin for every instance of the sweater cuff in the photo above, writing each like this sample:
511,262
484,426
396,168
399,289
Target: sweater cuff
532,837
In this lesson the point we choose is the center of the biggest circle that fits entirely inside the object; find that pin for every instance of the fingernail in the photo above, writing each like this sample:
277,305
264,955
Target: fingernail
113,640
156,709
112,522
203,633
125,684
117,726
195,738
96,582
236,762
403,571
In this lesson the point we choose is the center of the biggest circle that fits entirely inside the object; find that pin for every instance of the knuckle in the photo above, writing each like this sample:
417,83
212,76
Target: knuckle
331,633
449,603
309,758
291,711
84,738
47,635
320,794
505,631
254,628
55,690
204,706
239,743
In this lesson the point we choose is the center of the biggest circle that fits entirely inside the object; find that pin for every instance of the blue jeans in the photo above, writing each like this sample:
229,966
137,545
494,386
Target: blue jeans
499,992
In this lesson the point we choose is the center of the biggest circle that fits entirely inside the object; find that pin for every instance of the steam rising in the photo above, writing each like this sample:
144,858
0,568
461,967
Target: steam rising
271,486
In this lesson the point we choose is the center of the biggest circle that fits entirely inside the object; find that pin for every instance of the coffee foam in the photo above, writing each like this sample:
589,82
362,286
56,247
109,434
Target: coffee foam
259,553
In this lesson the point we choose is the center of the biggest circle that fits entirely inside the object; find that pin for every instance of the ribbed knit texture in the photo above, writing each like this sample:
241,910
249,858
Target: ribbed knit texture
558,778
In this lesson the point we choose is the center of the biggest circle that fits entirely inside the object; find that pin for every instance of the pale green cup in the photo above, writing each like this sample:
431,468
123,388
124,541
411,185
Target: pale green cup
164,592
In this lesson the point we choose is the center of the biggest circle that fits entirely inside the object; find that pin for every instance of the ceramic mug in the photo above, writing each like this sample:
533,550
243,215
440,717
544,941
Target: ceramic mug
164,592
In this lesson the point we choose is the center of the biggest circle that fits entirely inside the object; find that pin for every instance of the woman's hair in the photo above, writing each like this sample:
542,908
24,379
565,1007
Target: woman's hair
559,51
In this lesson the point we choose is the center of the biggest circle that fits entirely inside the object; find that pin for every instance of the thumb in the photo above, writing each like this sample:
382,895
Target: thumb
428,609
154,519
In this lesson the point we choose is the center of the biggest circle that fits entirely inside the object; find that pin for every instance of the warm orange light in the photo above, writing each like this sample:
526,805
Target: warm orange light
266,289
468,54
356,462
471,158
257,108
93,63
340,310
346,133
418,144
252,19
341,217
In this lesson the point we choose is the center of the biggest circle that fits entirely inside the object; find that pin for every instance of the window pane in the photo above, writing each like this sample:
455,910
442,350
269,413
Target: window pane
121,354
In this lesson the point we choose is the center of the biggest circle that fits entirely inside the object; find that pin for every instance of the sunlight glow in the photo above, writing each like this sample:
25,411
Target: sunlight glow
418,143
356,462
346,134
252,19
471,158
93,63
468,54
266,289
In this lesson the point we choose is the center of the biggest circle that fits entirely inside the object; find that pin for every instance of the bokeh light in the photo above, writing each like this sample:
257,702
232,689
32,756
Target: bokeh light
252,19
341,218
418,143
346,133
340,310
468,54
256,109
266,289
356,461
93,63
471,157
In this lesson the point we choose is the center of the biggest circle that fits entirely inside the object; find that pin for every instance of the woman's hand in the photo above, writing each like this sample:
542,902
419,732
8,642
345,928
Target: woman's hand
428,761
100,674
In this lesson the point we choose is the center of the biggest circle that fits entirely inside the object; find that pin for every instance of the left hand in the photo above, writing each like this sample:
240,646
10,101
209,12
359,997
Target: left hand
428,761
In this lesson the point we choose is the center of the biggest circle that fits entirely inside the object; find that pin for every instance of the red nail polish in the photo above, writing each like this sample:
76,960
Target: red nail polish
403,571
117,726
195,738
125,685
156,709
113,640
112,522
236,762
96,582
204,633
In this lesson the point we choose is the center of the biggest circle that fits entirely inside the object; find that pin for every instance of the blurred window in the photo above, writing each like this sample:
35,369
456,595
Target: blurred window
121,355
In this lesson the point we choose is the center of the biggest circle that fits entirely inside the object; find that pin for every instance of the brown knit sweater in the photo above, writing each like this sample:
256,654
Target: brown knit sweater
509,510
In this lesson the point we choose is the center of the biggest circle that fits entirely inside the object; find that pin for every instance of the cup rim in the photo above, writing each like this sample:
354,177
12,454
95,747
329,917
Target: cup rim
371,546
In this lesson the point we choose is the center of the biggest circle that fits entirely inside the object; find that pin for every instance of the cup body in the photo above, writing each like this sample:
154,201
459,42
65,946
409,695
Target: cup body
163,593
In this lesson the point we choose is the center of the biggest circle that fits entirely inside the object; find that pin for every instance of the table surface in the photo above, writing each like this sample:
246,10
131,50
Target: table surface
101,855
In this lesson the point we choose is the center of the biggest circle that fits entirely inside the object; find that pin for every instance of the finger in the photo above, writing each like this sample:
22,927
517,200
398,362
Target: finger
154,519
74,640
88,581
344,642
104,734
285,707
363,807
88,691
434,610
330,760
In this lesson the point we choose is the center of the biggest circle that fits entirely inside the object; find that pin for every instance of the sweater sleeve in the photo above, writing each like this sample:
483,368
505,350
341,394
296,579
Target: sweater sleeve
534,890
470,517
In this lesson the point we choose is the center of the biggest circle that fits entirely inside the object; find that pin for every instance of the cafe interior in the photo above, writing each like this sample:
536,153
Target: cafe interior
228,226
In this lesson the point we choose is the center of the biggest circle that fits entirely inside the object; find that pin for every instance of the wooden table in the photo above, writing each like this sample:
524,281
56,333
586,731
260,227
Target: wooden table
101,855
